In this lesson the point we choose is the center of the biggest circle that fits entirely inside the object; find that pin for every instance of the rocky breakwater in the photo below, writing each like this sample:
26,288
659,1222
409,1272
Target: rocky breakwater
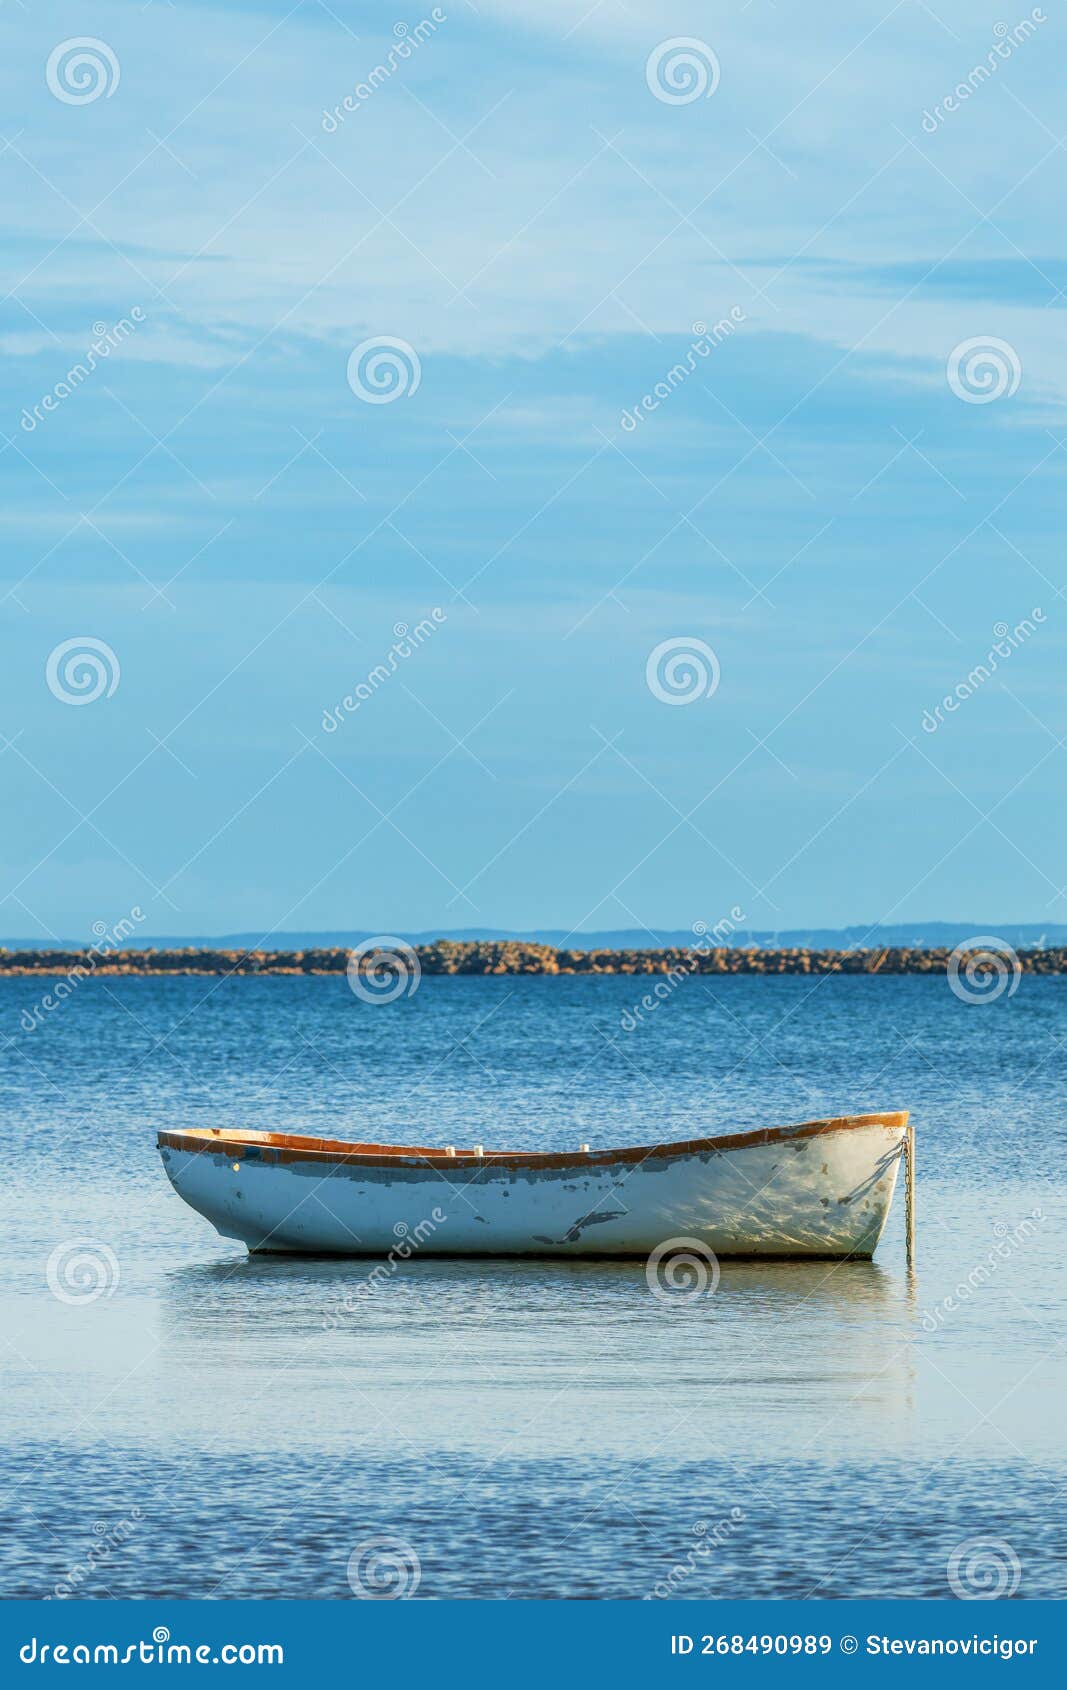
516,956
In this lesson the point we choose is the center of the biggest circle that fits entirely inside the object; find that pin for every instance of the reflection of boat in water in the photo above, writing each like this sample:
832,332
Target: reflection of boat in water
821,1189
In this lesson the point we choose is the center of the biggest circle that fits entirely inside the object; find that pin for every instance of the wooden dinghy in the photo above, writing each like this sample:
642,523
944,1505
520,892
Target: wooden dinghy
819,1189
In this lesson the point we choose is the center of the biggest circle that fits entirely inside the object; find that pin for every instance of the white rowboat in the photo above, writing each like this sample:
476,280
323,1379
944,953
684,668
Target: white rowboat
821,1189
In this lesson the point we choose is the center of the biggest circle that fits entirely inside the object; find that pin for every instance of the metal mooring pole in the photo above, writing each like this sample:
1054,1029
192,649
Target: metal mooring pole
909,1193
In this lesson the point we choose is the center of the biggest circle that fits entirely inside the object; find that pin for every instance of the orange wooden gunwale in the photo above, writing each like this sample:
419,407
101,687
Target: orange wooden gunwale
291,1147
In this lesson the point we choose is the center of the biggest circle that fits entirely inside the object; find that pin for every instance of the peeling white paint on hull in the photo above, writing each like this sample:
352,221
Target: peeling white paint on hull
819,1189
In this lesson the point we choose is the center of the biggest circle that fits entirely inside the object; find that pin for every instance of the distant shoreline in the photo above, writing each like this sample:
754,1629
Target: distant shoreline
451,957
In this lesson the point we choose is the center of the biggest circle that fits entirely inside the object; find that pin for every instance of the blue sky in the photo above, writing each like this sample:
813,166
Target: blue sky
814,502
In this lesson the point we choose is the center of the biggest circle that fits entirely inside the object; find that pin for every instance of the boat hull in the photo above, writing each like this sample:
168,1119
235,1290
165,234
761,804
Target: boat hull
819,1190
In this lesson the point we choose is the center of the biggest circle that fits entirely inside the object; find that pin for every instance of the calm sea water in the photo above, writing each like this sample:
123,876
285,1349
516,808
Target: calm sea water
530,1429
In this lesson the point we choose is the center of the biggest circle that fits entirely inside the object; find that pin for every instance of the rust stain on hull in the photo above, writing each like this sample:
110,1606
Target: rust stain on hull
757,1193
